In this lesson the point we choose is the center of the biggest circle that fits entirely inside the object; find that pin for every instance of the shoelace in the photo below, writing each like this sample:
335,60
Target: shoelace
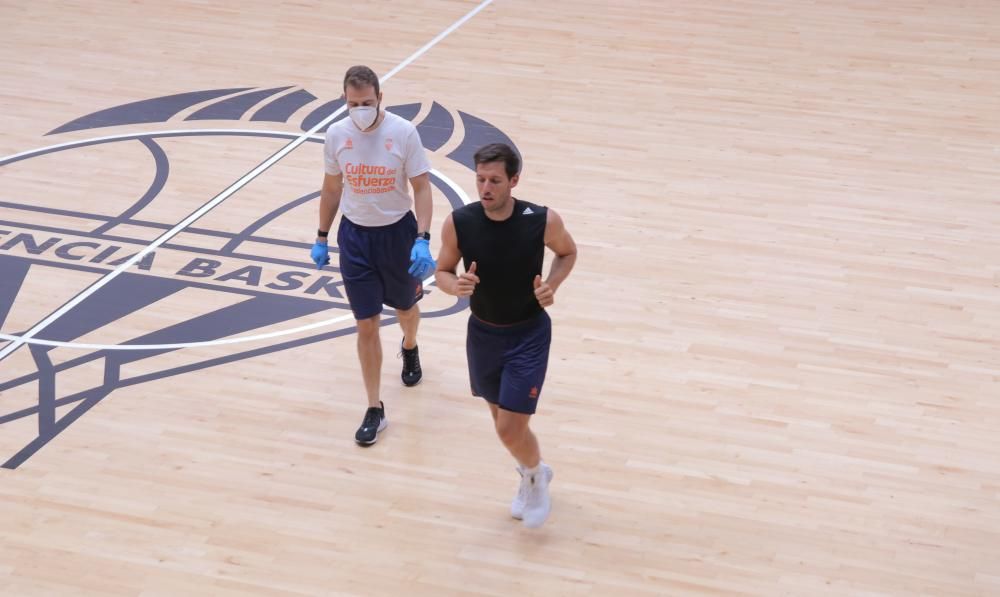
411,361
522,491
531,490
372,417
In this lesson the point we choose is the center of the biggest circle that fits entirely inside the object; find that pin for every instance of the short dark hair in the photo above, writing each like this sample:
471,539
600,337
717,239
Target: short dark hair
499,152
360,76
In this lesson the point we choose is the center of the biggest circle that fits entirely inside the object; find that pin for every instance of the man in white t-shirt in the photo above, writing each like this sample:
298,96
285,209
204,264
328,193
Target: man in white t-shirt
384,249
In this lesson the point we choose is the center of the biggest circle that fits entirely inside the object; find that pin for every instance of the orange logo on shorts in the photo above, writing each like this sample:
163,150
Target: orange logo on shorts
533,393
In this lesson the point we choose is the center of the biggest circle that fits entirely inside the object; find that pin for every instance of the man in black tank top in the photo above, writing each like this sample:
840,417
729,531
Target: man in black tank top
501,242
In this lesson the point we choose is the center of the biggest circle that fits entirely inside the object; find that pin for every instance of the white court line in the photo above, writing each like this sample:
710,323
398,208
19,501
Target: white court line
157,134
225,194
235,340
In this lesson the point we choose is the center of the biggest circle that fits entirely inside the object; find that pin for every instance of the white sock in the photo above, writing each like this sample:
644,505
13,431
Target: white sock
531,471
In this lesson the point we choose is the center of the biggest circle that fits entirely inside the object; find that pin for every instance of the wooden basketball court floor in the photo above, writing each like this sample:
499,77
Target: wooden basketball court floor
775,369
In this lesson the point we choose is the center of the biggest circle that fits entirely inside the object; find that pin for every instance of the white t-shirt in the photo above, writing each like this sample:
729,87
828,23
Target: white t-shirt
377,166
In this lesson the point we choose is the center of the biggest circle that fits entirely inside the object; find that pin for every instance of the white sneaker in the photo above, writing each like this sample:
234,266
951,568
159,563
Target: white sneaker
517,504
536,500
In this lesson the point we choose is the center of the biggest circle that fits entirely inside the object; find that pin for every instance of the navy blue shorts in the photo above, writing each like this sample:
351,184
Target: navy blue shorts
374,261
507,364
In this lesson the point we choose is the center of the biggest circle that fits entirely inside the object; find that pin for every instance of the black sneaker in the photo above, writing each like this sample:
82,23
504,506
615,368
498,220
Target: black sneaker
411,366
373,424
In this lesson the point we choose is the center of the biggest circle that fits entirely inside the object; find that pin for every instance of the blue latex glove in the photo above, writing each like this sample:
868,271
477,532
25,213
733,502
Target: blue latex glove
320,255
421,262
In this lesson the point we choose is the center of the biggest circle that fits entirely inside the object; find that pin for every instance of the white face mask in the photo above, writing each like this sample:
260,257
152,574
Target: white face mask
363,116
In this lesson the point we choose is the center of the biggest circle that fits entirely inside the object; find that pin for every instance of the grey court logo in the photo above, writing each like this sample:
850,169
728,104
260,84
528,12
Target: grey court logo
266,291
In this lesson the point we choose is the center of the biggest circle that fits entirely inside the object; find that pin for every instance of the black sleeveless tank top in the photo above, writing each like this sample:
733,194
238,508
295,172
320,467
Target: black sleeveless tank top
508,256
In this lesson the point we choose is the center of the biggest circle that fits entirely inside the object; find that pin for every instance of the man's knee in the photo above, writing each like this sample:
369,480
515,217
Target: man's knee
413,311
368,327
511,429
